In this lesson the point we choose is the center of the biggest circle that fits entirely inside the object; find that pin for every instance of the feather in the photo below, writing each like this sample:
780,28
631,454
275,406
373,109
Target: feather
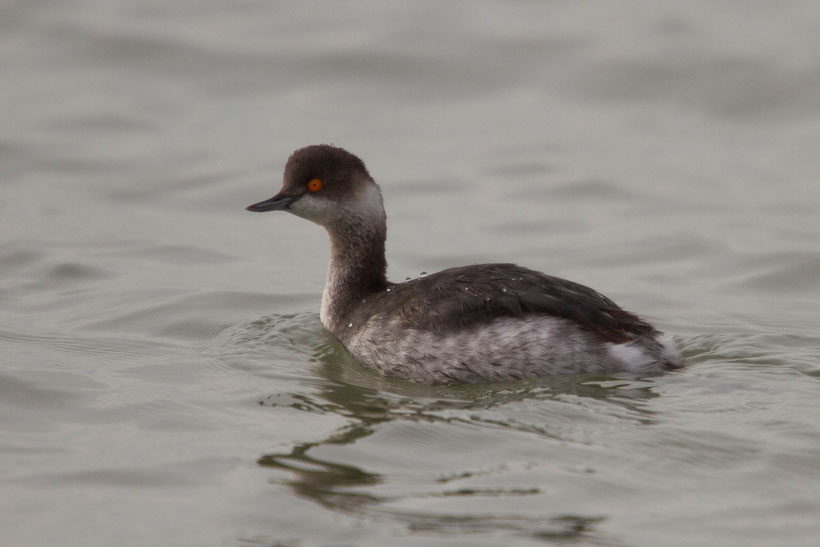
458,298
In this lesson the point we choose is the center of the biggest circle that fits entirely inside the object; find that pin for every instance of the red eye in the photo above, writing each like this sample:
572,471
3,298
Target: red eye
315,185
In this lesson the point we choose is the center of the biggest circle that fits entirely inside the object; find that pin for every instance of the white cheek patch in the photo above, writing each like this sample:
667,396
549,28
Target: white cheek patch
368,203
316,209
364,206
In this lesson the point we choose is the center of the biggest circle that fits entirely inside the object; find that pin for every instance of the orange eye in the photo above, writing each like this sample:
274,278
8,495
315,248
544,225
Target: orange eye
315,185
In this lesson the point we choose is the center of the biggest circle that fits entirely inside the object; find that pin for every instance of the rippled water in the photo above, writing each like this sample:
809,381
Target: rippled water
165,379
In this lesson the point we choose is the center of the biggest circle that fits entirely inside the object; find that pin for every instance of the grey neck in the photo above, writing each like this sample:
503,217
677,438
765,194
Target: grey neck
358,267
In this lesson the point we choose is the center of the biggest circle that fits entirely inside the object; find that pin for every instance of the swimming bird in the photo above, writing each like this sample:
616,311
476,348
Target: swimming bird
479,323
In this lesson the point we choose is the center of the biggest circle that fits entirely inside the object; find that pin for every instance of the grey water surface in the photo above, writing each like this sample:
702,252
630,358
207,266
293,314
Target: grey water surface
165,379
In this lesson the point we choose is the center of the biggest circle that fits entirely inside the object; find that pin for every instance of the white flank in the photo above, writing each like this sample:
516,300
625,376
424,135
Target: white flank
633,356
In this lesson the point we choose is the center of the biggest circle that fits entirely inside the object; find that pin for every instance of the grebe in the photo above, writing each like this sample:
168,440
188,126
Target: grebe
481,323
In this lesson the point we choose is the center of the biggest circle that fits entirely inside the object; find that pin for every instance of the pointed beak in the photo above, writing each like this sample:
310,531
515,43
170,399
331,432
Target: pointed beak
278,202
